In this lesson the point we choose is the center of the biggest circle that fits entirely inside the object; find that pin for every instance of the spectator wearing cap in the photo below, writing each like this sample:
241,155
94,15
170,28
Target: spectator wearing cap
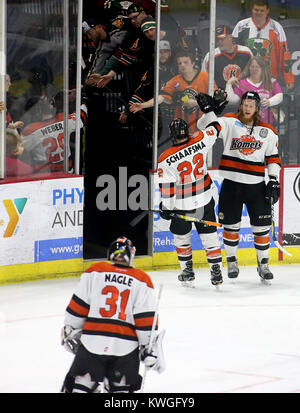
167,68
137,50
117,27
144,91
136,14
96,34
230,58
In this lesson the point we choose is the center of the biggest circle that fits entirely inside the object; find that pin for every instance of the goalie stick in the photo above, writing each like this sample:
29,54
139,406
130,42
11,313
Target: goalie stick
274,234
152,335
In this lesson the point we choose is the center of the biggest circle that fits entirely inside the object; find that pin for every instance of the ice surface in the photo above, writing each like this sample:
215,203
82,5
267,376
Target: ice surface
243,337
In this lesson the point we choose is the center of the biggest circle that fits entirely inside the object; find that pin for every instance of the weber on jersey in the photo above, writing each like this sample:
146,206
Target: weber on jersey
43,140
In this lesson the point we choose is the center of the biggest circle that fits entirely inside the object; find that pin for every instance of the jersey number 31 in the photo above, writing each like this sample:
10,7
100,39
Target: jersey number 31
114,303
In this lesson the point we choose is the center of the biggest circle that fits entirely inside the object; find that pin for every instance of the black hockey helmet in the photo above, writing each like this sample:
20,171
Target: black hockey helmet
121,251
251,95
178,129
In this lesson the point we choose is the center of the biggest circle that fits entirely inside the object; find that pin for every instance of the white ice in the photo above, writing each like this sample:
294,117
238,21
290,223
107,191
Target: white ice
243,337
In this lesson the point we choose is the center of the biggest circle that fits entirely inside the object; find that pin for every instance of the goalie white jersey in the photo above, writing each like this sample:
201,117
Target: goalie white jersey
246,152
114,306
182,172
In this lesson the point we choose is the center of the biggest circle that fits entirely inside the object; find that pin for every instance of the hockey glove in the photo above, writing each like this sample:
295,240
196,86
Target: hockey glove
154,359
206,103
149,359
70,338
220,98
272,190
164,212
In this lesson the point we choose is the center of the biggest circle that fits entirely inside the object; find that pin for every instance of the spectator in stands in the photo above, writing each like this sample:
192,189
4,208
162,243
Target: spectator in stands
109,36
181,91
230,58
14,148
9,121
144,91
257,77
96,33
166,66
266,37
134,49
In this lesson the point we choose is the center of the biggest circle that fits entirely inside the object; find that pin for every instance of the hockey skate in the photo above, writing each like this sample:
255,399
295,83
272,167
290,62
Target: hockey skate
187,276
232,267
264,271
216,275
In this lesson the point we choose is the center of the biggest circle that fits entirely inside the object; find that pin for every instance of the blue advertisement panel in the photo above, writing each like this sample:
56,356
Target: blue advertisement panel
58,249
164,242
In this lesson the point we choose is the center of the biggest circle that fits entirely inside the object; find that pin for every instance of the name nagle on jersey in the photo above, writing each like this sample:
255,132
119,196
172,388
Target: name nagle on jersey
121,279
185,152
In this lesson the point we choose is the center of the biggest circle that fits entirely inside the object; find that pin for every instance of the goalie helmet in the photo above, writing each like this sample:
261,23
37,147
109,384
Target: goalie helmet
178,129
251,95
121,251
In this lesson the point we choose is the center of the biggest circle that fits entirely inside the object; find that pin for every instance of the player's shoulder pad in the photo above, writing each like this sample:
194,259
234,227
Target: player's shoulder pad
140,275
99,267
230,115
168,152
267,125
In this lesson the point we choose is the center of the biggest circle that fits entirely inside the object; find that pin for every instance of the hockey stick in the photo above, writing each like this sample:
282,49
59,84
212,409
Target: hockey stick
136,220
152,335
274,234
191,219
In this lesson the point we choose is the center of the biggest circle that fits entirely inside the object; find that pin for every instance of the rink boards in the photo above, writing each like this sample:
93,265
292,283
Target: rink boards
41,229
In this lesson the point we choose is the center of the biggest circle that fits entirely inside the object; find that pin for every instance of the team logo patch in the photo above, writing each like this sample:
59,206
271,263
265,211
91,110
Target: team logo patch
246,144
263,133
230,71
221,216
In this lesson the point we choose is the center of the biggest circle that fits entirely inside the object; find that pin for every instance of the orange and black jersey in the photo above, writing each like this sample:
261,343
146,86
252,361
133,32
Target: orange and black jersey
114,306
182,171
247,152
177,87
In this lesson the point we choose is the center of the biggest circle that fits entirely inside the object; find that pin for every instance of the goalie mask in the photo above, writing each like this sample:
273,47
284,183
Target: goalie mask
178,130
121,251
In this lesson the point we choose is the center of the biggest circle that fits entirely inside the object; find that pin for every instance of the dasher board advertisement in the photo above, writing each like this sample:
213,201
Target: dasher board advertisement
163,238
41,220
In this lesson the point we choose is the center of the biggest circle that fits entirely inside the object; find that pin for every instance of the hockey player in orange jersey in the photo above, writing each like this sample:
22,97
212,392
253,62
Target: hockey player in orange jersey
108,324
250,148
186,188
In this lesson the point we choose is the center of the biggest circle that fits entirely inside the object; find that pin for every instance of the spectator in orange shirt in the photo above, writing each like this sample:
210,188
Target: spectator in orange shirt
181,91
